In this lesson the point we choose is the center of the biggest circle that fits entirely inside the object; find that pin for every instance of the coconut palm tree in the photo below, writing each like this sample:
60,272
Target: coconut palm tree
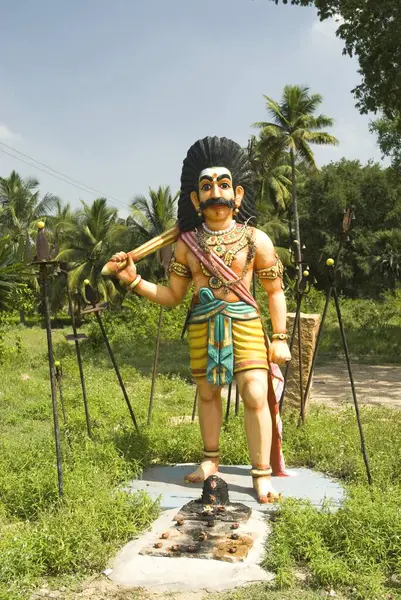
89,244
151,217
61,224
294,127
12,272
273,173
21,208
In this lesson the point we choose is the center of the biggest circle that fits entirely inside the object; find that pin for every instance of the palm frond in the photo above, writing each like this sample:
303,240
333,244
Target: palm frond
305,152
321,138
276,111
319,122
45,206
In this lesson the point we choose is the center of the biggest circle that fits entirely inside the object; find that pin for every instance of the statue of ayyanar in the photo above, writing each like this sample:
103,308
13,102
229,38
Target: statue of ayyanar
218,251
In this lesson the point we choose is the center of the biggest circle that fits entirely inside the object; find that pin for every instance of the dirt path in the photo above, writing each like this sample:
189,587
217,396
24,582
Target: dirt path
101,588
375,384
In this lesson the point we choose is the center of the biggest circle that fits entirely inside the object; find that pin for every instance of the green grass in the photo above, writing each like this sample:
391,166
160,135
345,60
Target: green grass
356,550
373,328
264,591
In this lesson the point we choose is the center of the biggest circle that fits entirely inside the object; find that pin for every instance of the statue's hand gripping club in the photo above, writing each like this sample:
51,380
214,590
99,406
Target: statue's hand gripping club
126,269
118,263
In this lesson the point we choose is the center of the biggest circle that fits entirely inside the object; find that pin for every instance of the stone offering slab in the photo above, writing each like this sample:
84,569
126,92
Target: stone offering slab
195,539
189,574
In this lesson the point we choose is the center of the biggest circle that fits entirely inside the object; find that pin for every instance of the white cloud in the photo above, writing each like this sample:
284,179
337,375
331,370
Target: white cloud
327,28
7,135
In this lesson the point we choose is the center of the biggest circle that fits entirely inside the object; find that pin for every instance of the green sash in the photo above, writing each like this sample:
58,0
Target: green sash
219,315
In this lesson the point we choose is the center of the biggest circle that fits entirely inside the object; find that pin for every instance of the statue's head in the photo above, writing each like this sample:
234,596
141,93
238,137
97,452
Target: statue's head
216,175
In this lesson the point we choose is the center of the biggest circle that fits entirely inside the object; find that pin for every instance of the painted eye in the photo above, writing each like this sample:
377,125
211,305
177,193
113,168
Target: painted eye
206,187
225,186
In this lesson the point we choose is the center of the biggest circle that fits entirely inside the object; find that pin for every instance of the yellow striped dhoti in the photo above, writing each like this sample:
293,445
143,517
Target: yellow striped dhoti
248,341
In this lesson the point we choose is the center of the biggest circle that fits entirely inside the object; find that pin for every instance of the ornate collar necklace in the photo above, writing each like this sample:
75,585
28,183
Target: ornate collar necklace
221,240
222,231
240,238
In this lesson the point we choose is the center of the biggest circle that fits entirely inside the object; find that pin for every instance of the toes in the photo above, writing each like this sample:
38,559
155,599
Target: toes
192,480
269,498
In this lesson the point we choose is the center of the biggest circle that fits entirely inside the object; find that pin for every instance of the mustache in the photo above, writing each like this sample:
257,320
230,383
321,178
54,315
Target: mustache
214,201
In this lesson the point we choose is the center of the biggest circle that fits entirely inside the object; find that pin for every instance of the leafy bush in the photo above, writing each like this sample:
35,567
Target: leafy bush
372,327
138,322
356,549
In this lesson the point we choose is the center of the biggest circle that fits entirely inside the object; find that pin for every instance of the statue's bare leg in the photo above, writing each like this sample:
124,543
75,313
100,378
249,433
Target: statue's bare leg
258,426
209,410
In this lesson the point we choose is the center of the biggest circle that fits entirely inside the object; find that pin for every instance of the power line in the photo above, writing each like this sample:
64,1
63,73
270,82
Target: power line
77,184
80,183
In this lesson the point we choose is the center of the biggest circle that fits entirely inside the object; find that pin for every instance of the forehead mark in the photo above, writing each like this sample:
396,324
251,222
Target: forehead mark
215,172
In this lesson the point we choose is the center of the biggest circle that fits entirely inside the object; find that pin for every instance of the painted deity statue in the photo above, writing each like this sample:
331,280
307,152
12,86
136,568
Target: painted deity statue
218,251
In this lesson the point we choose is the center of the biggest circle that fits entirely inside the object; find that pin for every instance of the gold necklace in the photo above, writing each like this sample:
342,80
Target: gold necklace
219,243
216,281
224,239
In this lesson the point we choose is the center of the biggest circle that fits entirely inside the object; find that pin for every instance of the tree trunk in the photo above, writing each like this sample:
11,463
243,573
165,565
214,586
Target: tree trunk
22,317
298,253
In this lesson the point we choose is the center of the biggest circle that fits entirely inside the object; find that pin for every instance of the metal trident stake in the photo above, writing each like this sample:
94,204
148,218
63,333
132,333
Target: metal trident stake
164,256
79,358
303,287
332,291
351,378
96,308
43,260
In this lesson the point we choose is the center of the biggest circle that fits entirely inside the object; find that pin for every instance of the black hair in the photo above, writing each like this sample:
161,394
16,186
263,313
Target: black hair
215,152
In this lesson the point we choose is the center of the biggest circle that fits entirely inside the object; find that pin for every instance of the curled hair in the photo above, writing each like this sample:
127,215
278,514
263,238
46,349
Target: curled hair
215,152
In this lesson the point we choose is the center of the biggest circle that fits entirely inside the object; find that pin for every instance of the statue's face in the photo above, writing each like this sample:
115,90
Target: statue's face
216,195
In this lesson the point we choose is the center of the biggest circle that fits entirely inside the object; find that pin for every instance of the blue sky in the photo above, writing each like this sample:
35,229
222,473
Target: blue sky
114,93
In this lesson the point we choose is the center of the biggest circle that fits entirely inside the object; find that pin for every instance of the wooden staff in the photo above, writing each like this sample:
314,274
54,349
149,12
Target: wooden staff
160,241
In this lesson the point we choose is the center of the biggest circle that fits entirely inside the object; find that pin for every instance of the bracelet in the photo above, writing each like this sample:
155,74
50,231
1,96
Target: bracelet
134,283
279,336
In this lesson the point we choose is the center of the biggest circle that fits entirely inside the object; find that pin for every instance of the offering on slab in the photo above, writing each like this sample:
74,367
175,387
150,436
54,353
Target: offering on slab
210,527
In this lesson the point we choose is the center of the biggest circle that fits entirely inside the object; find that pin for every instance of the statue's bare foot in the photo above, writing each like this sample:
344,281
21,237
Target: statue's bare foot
208,467
264,490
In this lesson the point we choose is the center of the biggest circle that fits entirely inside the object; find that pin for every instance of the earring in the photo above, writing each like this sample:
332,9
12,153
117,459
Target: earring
199,212
236,211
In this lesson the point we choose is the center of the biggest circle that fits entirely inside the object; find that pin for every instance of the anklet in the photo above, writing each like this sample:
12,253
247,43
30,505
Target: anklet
261,472
211,453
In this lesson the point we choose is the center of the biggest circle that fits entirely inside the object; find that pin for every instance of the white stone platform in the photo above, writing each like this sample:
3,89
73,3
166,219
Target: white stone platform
167,483
175,574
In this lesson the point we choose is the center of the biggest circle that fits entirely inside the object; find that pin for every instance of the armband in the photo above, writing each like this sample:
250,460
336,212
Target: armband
180,269
272,272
